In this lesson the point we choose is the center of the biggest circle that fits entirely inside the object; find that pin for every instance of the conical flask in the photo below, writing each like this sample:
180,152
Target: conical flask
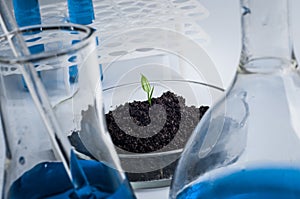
247,145
32,167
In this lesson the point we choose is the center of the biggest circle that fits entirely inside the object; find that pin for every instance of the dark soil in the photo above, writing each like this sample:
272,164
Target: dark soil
167,124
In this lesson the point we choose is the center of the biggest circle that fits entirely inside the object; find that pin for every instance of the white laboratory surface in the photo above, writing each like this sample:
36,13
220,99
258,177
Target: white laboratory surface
223,29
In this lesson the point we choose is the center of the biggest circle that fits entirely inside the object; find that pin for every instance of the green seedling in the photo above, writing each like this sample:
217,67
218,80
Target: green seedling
147,88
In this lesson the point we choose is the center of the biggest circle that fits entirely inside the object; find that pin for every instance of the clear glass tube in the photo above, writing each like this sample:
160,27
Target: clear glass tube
247,145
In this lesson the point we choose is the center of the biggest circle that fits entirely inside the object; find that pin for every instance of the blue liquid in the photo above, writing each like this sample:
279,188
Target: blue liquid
27,12
262,183
81,11
50,181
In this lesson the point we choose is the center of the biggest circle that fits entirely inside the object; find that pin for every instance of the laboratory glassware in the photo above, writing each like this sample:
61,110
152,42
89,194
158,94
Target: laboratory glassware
247,145
32,167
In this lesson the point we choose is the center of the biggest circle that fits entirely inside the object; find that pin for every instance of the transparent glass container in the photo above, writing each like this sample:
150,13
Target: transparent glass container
247,145
171,62
160,39
155,169
39,164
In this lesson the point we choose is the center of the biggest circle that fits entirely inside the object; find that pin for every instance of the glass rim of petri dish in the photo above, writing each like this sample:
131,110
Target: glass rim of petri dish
84,41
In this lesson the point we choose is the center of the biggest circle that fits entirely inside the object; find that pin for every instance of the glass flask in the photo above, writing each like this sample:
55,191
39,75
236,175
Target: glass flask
247,145
33,165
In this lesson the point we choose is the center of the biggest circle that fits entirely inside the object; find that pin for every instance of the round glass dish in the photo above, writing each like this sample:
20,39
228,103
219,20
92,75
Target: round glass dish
155,168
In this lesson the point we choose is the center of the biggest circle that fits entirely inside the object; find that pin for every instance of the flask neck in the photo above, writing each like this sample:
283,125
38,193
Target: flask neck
266,38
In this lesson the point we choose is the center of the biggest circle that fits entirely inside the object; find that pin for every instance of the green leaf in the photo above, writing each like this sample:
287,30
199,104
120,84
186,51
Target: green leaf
145,84
147,88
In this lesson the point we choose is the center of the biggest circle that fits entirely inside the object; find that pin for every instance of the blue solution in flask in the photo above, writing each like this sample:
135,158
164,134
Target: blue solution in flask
81,12
255,183
49,180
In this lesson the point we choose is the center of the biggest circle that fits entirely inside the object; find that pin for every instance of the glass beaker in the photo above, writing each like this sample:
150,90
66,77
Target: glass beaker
32,169
247,145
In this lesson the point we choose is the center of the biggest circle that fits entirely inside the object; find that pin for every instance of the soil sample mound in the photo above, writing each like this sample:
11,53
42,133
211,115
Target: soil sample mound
166,124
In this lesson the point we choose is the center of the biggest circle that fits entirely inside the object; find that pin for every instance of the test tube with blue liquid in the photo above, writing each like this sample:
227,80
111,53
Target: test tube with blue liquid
81,12
27,13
